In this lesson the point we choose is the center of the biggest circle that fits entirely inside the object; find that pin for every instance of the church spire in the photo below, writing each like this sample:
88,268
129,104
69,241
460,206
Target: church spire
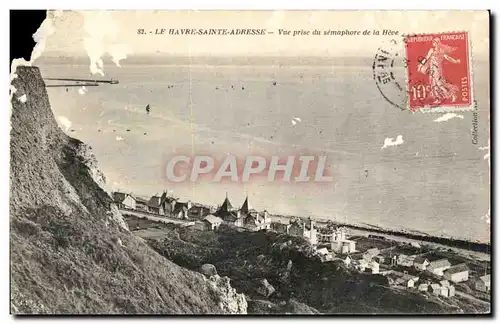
244,208
226,205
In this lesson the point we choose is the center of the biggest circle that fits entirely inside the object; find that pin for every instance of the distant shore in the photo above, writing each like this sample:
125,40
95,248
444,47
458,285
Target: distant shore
446,241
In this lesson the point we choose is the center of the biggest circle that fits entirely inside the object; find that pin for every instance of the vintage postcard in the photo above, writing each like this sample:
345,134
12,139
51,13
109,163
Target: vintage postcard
252,162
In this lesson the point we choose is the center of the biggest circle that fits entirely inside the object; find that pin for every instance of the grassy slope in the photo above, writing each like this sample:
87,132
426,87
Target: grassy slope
328,287
67,255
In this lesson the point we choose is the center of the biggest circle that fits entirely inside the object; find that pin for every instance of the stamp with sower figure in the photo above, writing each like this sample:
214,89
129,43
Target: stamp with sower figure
438,71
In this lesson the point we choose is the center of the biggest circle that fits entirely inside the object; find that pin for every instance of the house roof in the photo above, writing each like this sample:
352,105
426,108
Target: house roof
154,201
420,260
440,263
362,262
179,206
119,197
141,200
229,216
244,207
444,283
165,198
323,251
226,206
169,199
300,223
198,205
462,267
407,276
212,219
407,258
435,286
486,279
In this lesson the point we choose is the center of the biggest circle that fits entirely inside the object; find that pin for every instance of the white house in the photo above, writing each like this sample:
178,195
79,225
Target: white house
322,251
347,261
457,273
370,253
124,200
447,290
483,283
324,254
344,246
420,263
212,222
402,279
306,230
439,266
405,260
374,266
435,289
423,287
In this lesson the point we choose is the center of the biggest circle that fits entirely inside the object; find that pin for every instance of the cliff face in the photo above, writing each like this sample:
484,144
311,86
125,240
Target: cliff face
71,251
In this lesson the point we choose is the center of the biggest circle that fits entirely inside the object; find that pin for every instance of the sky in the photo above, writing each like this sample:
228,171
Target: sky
427,179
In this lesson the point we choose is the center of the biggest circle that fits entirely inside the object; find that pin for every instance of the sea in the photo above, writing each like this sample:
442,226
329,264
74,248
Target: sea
436,181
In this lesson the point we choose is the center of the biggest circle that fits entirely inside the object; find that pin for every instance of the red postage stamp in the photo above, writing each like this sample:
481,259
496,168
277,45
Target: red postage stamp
438,71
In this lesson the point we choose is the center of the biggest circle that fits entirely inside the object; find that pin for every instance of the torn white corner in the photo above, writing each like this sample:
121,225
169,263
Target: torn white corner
82,90
448,116
389,141
119,138
40,36
64,122
22,98
13,67
102,31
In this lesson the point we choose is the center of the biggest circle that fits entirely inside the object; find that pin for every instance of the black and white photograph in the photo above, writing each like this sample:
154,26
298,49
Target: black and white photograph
241,162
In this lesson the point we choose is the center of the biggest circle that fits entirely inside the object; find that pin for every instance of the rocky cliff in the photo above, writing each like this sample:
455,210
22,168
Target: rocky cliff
71,251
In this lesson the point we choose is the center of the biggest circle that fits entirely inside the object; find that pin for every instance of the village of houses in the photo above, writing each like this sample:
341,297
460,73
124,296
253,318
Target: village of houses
405,265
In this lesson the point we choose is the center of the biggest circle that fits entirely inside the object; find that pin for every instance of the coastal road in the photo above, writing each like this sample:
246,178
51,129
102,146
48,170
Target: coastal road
154,218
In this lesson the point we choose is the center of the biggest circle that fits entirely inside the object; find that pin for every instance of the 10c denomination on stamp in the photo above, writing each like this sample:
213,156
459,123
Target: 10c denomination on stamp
438,72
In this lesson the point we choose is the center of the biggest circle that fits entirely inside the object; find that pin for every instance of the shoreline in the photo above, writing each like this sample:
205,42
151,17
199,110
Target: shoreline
462,244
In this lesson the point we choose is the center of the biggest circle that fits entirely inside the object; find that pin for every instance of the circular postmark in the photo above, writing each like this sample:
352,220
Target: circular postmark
389,71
